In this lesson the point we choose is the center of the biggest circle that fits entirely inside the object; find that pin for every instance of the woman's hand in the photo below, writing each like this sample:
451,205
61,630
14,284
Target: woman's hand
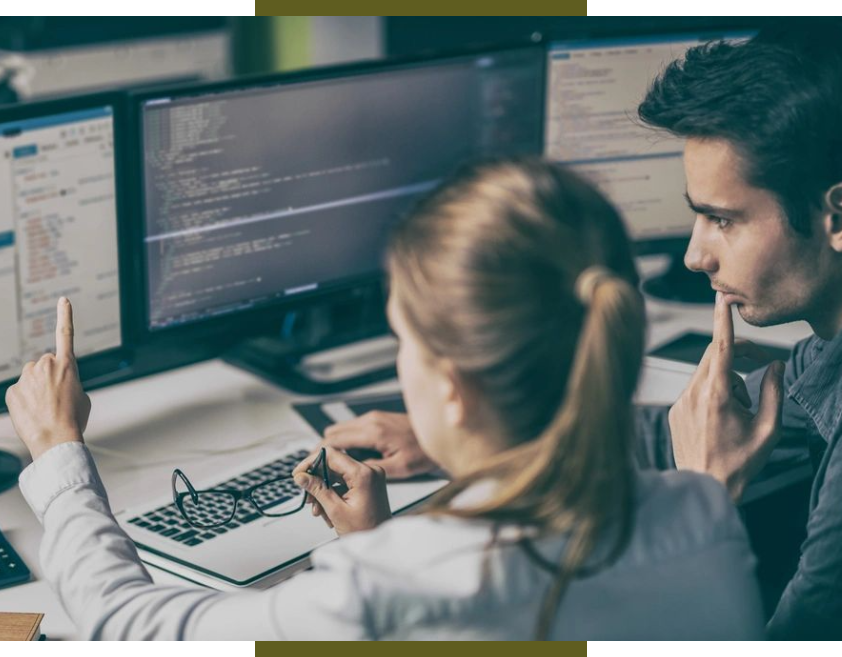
361,503
387,433
47,404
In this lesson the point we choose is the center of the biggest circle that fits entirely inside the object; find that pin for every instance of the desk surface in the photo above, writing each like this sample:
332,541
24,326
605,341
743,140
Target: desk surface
200,415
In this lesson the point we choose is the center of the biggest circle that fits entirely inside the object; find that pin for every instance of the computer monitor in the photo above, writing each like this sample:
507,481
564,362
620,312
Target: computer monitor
58,232
594,88
264,193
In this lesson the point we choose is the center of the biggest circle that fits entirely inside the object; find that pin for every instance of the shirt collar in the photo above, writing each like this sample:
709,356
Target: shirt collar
819,388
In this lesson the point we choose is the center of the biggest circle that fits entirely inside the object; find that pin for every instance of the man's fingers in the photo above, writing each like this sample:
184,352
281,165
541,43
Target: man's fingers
704,364
64,329
768,420
722,354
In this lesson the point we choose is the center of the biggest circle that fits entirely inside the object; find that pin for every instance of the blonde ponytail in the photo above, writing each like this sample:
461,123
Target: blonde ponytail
521,275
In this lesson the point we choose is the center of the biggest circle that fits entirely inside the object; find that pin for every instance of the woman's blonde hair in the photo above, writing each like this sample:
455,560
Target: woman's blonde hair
520,274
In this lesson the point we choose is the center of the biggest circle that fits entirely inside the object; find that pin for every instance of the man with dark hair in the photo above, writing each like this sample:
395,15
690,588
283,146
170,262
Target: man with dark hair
762,120
763,162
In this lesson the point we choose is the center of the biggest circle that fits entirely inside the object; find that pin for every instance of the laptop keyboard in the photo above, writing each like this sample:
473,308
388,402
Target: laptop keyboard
167,520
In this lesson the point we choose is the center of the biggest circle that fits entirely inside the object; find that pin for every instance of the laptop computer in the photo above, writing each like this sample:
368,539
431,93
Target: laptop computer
253,550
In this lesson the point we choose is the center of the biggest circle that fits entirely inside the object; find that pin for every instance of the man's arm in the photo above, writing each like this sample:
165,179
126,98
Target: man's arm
811,605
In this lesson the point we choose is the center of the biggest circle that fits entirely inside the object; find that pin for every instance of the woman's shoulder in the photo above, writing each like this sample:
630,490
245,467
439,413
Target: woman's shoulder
408,543
678,512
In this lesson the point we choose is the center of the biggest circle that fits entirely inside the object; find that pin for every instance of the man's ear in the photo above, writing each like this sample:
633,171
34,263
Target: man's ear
833,216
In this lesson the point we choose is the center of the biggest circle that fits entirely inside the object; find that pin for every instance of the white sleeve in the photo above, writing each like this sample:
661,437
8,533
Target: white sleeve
94,568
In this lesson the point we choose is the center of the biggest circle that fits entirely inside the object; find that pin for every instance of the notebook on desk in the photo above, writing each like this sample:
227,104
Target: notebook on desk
253,550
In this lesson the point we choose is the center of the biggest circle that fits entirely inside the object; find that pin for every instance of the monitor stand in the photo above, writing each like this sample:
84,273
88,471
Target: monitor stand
679,284
323,373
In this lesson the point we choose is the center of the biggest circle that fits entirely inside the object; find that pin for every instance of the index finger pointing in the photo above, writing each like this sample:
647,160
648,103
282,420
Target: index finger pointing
722,359
64,329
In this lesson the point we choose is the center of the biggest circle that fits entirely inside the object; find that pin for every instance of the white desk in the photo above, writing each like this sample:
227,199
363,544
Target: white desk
199,415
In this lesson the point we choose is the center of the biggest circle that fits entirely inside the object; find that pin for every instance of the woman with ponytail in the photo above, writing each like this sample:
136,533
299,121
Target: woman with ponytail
514,297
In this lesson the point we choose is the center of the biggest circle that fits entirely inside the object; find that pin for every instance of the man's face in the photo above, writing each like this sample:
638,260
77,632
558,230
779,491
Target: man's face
744,243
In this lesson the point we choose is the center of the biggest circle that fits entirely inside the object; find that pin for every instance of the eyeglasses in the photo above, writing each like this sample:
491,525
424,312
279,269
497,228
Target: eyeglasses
215,507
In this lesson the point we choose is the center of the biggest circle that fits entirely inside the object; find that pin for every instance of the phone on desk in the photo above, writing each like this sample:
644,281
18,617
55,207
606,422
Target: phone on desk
690,347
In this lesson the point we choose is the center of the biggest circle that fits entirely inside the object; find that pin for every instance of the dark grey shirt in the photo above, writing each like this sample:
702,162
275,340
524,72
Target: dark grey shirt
811,605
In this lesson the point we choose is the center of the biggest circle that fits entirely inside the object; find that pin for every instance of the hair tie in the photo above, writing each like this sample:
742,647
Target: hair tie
588,280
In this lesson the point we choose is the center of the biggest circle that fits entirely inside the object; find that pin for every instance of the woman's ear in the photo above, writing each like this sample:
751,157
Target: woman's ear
833,216
454,395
